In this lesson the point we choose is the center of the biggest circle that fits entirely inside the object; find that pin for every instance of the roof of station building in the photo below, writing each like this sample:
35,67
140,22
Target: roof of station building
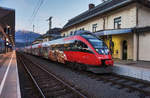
101,9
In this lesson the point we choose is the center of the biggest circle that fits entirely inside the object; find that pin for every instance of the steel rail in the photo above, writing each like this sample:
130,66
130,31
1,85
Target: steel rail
127,86
34,81
67,85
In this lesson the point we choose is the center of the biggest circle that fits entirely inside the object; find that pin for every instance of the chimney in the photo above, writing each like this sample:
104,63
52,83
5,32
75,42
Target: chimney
91,6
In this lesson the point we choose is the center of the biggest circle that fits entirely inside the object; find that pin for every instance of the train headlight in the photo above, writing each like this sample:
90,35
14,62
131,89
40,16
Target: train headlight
107,50
102,51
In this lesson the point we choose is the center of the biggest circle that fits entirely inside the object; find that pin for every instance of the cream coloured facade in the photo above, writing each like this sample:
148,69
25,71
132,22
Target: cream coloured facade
127,14
143,16
134,15
144,46
144,37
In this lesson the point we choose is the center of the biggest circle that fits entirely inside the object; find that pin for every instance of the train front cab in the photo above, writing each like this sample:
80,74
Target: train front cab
103,56
92,52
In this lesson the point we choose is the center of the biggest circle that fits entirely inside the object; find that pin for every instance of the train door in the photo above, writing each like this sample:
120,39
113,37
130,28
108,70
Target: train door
76,54
124,50
39,50
45,52
69,50
83,55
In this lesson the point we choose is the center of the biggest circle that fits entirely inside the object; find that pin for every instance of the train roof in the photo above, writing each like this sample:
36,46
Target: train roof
64,40
80,32
57,41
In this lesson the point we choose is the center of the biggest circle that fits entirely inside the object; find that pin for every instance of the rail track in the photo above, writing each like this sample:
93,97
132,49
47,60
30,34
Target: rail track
122,82
47,84
131,85
27,87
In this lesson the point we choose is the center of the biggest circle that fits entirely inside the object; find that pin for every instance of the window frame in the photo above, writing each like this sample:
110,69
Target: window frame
117,23
94,27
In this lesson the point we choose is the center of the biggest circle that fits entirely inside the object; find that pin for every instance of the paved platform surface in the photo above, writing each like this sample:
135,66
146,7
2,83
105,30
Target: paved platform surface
9,81
139,69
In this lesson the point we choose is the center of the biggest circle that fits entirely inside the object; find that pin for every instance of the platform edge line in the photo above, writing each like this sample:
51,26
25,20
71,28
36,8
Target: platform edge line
5,75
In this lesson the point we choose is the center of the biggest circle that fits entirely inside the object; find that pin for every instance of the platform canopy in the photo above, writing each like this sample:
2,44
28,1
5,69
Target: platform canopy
7,24
113,32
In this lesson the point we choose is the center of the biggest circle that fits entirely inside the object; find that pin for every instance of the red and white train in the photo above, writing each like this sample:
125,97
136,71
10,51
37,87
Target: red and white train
83,51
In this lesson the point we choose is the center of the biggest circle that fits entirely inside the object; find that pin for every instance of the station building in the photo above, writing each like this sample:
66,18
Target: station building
124,25
7,29
51,34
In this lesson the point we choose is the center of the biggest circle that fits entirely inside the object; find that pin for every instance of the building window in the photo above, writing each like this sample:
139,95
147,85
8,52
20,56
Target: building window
94,27
117,23
82,29
71,33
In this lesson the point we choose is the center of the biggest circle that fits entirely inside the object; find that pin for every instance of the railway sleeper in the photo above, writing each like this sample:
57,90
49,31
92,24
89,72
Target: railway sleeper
130,87
130,91
124,81
143,86
68,95
132,79
41,82
55,90
134,84
43,78
49,89
121,87
113,84
57,93
51,84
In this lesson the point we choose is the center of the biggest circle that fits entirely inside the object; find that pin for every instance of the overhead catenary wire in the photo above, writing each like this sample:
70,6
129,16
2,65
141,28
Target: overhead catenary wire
35,12
33,16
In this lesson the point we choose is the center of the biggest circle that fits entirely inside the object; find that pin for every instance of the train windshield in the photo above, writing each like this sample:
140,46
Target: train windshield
98,44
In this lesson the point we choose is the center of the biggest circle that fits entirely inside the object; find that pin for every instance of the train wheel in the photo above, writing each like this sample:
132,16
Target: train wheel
82,67
74,66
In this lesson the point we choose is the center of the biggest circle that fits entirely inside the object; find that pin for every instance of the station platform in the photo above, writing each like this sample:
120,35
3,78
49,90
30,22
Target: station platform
139,69
9,80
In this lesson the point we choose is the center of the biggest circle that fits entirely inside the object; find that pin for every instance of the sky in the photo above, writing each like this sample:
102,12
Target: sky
60,10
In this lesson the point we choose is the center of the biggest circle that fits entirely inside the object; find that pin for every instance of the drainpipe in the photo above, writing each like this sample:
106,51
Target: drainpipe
104,23
137,25
137,46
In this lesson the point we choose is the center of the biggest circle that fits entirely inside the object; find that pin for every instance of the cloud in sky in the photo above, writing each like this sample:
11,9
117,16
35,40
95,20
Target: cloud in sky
61,10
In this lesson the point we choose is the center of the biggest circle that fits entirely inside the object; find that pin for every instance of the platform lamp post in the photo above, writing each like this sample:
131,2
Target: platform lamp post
6,39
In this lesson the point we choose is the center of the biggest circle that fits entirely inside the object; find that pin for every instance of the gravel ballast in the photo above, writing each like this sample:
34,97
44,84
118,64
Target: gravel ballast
96,89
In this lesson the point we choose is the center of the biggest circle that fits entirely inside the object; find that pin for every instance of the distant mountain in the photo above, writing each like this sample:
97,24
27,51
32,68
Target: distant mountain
23,38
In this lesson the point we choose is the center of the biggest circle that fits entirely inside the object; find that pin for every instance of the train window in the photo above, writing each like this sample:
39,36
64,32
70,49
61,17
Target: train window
99,46
97,43
45,49
61,47
81,45
69,46
66,46
87,36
